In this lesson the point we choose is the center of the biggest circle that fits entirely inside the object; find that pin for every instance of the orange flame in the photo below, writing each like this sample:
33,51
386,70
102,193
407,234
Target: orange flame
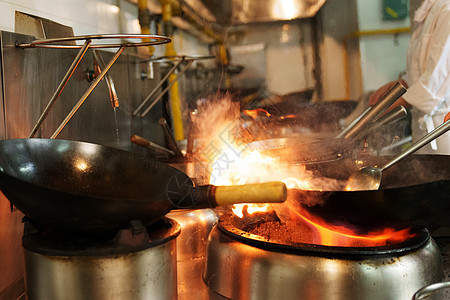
345,237
252,167
253,113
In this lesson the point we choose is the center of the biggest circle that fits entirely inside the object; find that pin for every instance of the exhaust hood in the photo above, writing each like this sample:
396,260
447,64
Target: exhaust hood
234,12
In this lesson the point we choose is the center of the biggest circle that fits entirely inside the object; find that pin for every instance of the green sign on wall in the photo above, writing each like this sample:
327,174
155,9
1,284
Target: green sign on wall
395,9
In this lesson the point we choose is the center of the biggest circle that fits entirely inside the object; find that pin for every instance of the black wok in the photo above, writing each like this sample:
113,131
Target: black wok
413,194
82,187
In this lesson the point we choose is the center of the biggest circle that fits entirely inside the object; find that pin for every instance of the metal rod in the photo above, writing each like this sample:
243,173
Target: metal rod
61,86
109,81
386,101
437,132
350,126
393,115
161,82
88,92
170,138
167,88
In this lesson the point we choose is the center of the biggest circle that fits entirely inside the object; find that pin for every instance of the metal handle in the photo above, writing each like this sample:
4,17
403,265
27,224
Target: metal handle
430,289
437,132
394,115
387,100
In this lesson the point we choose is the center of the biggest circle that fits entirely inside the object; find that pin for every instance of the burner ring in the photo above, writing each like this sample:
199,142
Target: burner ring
228,226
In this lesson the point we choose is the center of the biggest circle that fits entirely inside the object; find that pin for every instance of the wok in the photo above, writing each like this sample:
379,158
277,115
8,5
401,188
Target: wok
413,194
81,187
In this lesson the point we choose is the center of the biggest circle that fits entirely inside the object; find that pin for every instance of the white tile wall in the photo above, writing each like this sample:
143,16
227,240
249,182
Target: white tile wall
84,16
93,17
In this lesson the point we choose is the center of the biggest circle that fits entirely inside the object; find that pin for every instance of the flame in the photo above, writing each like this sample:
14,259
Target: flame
230,163
253,113
238,209
345,237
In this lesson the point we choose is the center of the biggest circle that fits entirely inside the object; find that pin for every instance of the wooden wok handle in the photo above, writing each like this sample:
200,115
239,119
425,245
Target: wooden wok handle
269,192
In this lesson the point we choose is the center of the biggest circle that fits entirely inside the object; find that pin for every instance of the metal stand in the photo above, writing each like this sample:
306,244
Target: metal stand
176,61
57,44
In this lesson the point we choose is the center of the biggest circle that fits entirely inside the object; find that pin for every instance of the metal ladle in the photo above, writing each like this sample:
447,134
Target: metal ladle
369,178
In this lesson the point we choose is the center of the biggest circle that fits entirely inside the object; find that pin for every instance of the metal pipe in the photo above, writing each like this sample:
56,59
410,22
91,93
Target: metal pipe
61,86
88,91
386,101
167,88
136,112
109,82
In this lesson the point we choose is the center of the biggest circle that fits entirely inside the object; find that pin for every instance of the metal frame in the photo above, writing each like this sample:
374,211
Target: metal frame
53,43
177,60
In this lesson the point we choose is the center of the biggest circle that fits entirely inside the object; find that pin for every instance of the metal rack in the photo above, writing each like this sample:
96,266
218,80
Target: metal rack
176,61
65,43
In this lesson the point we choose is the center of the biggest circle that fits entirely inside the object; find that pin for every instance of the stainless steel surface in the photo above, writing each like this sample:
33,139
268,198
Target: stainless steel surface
146,274
156,88
176,60
229,12
60,88
61,43
171,83
369,178
29,78
191,251
240,271
87,93
386,101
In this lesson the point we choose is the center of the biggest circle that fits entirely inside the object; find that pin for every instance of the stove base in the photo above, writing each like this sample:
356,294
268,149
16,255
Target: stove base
239,271
97,270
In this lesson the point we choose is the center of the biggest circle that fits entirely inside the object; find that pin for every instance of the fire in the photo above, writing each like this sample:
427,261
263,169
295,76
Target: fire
238,209
345,237
253,113
233,164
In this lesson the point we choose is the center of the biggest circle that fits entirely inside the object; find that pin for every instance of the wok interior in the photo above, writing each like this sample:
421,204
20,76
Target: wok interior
83,168
414,170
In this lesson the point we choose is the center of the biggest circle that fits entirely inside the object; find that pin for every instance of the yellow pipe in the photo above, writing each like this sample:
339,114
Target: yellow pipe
358,34
144,22
175,100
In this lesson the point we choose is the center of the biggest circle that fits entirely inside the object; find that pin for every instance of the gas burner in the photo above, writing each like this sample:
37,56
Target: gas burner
268,232
138,261
242,265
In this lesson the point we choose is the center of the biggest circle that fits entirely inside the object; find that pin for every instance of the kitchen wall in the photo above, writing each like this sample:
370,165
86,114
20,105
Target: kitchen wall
359,50
383,56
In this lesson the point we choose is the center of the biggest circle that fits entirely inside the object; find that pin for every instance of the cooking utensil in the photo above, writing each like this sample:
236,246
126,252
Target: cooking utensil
143,142
415,195
82,187
369,178
170,138
343,143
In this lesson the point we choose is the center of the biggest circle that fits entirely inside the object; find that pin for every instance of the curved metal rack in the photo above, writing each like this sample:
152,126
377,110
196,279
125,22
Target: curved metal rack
177,60
53,43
